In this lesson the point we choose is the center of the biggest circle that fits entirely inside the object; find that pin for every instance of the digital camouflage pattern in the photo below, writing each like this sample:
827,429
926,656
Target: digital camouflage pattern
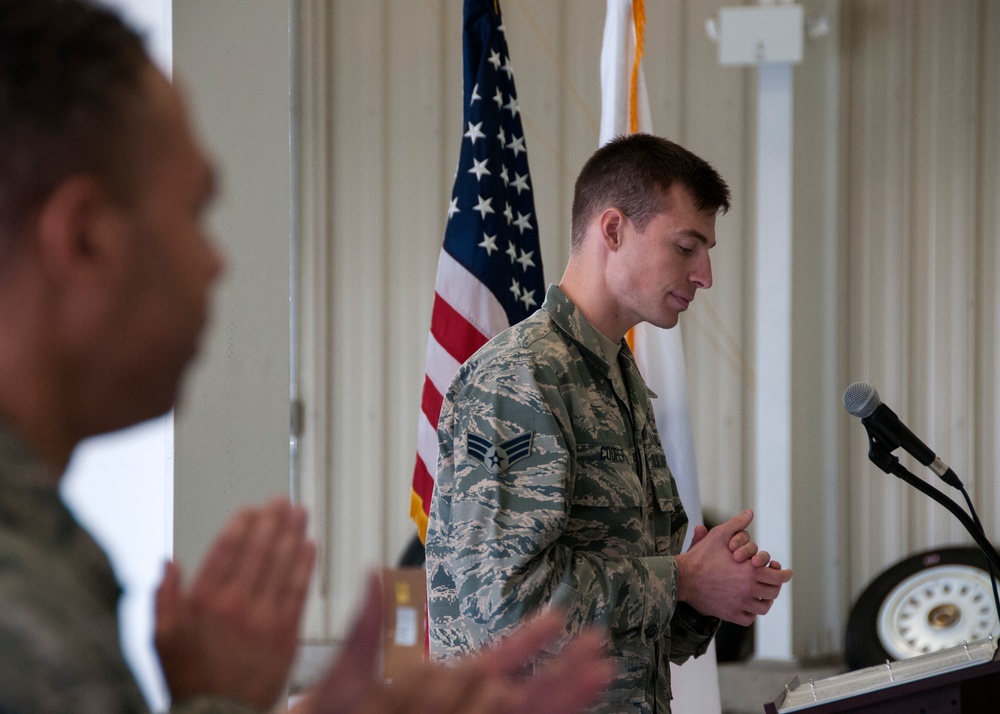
59,644
552,488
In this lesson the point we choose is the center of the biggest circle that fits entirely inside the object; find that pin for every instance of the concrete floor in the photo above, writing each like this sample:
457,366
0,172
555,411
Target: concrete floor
746,686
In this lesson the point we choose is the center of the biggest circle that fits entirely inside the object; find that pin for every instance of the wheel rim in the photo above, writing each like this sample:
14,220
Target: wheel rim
937,608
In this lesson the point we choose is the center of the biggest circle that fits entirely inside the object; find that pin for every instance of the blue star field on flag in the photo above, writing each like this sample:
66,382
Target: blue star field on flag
492,228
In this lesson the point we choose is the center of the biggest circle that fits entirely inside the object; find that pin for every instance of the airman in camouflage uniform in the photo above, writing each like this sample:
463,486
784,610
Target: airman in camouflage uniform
552,484
552,488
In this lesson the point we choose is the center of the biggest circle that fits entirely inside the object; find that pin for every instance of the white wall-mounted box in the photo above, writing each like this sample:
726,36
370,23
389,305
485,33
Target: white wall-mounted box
754,34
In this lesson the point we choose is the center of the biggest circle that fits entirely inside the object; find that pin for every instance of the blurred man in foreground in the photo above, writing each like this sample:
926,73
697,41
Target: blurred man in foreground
105,276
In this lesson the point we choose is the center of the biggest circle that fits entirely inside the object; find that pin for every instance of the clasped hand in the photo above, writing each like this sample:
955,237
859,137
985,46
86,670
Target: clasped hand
725,574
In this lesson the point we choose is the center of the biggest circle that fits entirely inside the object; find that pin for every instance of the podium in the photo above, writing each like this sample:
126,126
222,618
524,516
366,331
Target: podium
959,680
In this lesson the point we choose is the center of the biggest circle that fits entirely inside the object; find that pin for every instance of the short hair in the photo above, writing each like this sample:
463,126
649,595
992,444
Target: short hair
70,76
632,172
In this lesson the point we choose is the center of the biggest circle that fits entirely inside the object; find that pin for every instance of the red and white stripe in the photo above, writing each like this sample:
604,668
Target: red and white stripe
465,316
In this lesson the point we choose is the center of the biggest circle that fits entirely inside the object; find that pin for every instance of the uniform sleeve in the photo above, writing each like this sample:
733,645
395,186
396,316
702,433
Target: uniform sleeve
39,674
690,633
56,654
508,447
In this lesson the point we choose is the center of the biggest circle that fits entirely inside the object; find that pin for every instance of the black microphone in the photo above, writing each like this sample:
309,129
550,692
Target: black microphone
862,400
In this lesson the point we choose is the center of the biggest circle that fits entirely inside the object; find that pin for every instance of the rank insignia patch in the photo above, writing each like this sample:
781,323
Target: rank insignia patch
498,457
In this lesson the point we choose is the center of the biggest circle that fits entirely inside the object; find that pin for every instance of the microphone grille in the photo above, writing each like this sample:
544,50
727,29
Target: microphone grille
861,399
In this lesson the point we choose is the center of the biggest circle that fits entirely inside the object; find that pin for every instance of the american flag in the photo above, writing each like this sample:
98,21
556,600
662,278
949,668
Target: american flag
489,272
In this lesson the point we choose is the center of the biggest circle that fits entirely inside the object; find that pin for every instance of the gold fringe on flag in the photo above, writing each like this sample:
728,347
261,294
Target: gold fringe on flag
639,19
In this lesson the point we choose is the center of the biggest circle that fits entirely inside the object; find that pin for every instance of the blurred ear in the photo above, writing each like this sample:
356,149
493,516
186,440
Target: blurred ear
82,236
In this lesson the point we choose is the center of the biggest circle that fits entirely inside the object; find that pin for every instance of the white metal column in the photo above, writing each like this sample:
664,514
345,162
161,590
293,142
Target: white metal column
773,276
771,37
232,422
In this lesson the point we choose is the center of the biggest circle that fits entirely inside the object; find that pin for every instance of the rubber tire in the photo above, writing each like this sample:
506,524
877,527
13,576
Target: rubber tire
862,647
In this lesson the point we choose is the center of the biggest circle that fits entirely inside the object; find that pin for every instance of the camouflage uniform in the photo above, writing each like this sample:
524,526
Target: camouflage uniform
59,648
553,487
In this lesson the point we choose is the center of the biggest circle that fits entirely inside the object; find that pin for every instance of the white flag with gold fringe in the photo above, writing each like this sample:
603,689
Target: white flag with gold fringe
659,353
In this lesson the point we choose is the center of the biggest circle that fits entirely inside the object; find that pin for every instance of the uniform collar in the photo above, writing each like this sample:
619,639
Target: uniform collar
596,346
571,321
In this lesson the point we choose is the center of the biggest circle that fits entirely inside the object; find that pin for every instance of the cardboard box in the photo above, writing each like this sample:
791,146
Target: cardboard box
404,620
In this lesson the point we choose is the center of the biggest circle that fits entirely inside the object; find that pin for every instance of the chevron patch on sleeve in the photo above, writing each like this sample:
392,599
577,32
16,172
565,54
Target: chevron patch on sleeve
497,458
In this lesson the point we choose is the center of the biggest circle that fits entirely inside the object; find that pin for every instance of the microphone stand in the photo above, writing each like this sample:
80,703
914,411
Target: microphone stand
880,454
885,460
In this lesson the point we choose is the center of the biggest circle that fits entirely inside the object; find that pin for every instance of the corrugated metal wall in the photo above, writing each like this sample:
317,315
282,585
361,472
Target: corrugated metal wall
921,145
897,219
